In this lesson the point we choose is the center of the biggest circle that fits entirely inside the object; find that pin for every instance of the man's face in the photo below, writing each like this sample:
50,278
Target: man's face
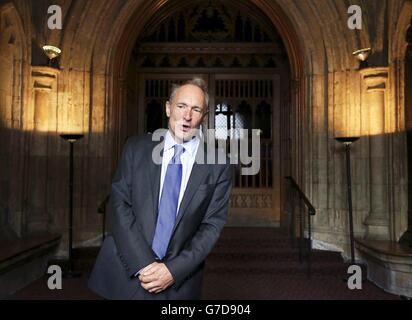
186,112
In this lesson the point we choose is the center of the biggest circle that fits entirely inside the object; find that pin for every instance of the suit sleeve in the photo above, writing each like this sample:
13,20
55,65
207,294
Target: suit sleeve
133,249
207,234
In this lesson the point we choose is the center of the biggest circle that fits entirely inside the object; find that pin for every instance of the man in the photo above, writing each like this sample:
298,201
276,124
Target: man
164,218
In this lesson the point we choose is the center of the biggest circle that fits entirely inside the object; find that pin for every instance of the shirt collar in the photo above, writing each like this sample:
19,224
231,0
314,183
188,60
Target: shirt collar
190,146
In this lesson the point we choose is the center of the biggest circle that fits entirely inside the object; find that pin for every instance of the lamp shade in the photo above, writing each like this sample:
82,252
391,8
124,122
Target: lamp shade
72,137
51,51
362,54
346,140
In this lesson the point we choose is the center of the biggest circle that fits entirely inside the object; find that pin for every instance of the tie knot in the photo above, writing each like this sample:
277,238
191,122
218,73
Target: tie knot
179,149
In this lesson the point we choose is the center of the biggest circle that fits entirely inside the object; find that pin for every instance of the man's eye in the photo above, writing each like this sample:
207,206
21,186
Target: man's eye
197,110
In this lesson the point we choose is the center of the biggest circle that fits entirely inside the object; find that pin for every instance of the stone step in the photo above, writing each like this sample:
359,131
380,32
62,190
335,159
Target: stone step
24,260
256,250
316,256
285,271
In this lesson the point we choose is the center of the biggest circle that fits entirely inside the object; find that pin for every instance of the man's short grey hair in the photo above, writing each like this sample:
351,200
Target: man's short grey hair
198,82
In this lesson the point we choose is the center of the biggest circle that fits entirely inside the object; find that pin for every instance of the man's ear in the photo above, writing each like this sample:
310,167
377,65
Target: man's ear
205,115
168,108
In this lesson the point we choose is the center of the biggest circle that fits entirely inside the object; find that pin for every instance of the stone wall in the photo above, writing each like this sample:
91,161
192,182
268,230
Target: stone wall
88,94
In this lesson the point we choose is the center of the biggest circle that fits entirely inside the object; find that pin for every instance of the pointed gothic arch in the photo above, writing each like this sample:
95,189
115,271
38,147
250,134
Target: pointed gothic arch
121,54
407,237
12,94
400,61
251,28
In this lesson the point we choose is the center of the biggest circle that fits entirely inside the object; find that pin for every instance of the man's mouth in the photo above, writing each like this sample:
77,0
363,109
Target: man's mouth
186,128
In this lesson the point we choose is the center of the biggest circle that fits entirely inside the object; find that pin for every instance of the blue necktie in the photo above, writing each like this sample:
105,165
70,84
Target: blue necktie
168,204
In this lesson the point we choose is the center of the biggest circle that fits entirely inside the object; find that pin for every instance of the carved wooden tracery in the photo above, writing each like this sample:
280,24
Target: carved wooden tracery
210,34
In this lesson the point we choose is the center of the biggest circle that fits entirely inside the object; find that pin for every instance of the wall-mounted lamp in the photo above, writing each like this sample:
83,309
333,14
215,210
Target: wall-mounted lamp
51,52
362,55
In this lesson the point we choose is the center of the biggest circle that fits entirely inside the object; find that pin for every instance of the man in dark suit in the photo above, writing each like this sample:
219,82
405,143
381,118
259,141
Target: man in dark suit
165,217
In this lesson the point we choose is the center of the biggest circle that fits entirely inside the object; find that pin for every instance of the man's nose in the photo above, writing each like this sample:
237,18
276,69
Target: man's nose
187,114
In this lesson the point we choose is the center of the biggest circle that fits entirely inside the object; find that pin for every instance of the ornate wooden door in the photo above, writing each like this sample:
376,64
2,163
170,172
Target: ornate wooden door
234,47
244,101
237,101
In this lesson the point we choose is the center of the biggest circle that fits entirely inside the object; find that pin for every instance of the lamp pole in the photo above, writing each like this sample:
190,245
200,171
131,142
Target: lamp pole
71,138
347,142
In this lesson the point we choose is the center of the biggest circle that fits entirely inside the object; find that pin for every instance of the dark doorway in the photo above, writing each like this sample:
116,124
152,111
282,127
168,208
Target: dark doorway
407,237
235,48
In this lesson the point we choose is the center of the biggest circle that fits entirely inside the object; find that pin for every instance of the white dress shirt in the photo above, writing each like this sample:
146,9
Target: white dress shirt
187,159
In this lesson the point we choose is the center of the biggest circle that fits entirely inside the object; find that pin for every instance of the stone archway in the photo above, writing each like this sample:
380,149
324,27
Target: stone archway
407,236
279,22
400,61
97,47
12,62
121,56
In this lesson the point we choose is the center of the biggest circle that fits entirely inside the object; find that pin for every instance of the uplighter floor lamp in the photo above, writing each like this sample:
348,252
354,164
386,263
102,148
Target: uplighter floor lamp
347,142
71,138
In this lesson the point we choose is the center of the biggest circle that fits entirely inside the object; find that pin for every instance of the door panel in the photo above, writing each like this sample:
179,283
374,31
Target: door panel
251,102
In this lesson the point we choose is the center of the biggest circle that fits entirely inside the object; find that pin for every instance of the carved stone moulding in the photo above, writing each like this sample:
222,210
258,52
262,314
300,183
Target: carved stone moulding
44,77
375,78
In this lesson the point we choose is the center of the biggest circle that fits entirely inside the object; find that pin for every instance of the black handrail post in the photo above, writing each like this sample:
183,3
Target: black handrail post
104,226
311,212
300,230
309,243
292,227
102,209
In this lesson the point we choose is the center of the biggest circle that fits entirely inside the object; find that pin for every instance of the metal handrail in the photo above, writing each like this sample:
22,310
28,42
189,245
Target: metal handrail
312,212
311,208
102,210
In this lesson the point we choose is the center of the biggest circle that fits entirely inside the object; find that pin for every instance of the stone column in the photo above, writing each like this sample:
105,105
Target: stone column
377,222
44,125
44,114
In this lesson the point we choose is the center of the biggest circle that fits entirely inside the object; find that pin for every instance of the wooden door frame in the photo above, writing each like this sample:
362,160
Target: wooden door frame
122,53
269,216
123,50
408,125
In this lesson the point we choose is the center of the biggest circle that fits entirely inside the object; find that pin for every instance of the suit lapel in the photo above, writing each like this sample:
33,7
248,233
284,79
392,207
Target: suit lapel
154,178
197,175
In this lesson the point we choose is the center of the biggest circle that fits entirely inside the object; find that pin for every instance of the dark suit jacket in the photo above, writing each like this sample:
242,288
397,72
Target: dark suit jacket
133,208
